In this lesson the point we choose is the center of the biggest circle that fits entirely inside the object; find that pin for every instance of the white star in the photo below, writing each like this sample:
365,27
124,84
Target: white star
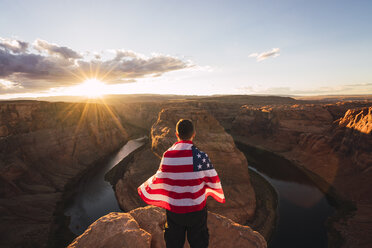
206,155
208,165
199,156
204,160
199,166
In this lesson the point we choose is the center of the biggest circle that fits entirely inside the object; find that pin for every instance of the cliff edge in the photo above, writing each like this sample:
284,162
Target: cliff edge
143,227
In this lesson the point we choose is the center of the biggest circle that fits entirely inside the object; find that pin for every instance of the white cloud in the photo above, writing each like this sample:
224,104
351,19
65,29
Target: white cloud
54,49
15,46
275,52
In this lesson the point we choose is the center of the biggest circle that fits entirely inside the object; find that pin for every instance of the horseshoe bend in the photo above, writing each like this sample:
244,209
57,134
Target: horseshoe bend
49,149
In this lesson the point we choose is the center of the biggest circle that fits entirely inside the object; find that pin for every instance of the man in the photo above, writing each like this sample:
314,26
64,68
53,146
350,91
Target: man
181,185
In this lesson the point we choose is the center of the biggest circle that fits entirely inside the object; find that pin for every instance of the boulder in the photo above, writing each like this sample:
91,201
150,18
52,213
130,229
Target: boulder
143,227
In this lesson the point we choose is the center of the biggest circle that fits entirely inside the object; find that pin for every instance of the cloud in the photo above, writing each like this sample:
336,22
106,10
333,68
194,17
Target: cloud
275,52
49,65
54,49
15,46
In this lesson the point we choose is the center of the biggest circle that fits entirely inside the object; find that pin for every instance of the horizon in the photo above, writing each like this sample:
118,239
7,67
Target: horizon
291,48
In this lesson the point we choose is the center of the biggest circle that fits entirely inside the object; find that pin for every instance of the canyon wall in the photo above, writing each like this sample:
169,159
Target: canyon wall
229,162
43,146
337,150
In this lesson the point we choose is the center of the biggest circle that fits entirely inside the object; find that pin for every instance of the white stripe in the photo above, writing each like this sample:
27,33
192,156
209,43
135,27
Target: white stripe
181,146
186,175
219,195
177,161
175,202
178,202
183,189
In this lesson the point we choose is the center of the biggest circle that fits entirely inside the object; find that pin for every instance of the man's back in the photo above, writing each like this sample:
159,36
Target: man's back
184,180
186,177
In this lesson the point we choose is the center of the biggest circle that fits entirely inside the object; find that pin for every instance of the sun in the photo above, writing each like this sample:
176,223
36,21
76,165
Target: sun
92,88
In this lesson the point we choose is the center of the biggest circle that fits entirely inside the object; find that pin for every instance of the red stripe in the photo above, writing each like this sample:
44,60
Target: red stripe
191,182
178,153
179,209
170,207
177,168
176,195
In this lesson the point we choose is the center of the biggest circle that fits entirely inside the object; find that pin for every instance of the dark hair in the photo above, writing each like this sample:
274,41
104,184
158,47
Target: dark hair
184,129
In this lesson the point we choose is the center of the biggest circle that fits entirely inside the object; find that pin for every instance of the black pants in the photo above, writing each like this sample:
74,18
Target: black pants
194,224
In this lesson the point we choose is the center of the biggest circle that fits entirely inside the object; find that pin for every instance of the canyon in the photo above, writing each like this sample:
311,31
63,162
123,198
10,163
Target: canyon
230,163
43,147
331,142
46,147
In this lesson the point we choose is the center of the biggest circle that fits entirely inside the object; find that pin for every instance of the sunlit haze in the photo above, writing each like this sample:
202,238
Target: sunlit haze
51,48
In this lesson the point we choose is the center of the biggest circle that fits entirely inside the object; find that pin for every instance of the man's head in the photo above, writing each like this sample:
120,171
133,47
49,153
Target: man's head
185,129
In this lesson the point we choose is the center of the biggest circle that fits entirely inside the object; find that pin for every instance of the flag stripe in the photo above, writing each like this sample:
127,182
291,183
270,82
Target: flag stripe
187,175
178,168
178,202
178,153
176,195
173,208
186,182
181,189
185,179
177,161
181,146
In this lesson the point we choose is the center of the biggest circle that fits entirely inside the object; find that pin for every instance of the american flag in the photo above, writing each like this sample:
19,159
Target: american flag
184,180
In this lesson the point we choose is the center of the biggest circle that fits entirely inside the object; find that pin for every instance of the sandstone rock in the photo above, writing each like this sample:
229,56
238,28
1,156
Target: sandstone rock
358,119
141,114
143,166
113,230
143,227
339,151
356,230
45,146
229,162
281,124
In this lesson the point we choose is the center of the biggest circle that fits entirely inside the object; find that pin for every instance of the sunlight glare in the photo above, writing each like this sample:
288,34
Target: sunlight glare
92,88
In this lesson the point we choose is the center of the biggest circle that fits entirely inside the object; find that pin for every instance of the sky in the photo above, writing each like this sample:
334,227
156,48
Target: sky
185,47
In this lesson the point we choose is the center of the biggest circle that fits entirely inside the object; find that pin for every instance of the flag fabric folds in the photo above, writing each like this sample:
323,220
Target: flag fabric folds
184,180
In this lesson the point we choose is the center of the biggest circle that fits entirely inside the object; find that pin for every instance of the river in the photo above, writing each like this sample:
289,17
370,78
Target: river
302,208
95,197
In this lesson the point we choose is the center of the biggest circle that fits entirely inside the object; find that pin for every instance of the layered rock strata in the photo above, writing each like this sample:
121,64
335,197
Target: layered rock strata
229,162
143,227
43,146
339,151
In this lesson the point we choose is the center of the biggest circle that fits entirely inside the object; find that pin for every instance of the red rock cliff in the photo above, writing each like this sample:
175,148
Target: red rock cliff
339,151
42,147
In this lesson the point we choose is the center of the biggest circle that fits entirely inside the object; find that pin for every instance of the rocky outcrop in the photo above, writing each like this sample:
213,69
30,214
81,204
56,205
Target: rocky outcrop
143,227
229,162
140,114
43,146
339,151
143,165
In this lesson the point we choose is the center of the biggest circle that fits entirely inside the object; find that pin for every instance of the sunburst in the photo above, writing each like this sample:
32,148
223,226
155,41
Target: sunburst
92,88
